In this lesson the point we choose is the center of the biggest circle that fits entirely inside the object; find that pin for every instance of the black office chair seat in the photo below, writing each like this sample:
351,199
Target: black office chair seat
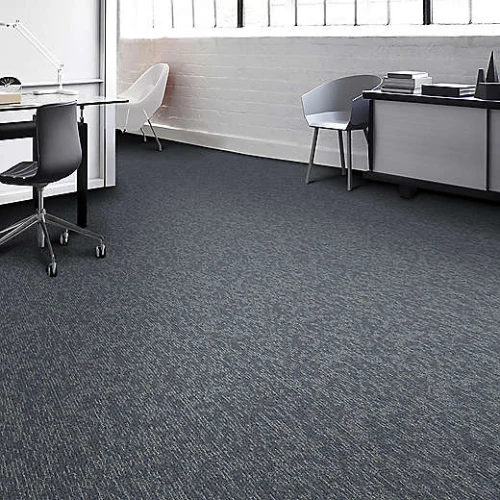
20,174
59,154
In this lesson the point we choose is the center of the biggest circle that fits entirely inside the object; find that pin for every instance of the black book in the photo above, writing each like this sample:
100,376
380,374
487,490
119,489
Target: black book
406,74
448,89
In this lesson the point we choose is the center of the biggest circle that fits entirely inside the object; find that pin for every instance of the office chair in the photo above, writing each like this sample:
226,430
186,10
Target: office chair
339,105
59,154
145,96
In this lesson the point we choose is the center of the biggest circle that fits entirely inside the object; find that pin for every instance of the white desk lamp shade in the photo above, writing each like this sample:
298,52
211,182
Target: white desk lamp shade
145,96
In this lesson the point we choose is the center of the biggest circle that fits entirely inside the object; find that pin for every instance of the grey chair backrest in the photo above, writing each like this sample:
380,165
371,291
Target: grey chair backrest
338,95
58,142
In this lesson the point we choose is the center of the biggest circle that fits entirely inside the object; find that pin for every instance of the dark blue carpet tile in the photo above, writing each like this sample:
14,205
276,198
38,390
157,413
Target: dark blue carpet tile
251,337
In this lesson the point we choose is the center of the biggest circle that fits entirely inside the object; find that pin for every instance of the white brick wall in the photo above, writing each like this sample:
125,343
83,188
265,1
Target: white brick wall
243,94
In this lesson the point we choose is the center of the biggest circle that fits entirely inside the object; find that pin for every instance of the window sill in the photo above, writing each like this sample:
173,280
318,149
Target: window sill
434,30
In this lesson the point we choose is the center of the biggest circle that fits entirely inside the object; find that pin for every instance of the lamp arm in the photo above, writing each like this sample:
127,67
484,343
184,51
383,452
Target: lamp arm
37,44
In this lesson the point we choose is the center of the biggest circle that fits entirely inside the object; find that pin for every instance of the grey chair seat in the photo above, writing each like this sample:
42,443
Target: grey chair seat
336,120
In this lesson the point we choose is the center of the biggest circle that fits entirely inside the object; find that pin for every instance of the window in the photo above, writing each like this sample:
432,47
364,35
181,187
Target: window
465,11
153,18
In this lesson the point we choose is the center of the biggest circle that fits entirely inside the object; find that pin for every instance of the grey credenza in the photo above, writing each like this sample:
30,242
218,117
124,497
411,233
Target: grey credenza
451,141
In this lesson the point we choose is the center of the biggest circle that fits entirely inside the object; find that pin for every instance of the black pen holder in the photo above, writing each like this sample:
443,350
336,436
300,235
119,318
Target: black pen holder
488,90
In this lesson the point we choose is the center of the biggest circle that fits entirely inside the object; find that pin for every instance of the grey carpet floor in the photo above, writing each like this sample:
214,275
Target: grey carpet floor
250,337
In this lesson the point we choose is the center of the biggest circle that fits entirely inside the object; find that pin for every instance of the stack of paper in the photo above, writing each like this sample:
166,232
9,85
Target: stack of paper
405,82
10,97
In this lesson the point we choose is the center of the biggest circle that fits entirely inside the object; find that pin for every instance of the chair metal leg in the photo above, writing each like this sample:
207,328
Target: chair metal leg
311,156
40,211
143,135
43,225
19,229
342,154
156,137
349,161
16,224
64,224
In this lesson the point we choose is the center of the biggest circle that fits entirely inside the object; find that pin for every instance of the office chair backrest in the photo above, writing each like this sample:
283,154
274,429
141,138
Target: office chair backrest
338,95
58,142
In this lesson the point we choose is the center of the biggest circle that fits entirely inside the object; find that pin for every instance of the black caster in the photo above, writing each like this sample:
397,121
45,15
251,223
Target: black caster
52,269
64,238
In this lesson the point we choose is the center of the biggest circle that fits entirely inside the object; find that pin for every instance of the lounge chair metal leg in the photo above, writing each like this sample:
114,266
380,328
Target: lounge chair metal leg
311,156
156,137
143,135
341,151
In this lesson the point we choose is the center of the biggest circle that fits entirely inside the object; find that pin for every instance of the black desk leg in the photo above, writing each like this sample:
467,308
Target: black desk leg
82,178
35,158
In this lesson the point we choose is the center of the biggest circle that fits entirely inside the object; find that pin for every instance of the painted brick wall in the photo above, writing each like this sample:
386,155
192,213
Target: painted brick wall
243,94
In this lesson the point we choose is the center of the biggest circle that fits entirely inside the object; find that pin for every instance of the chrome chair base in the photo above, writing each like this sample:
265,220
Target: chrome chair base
42,219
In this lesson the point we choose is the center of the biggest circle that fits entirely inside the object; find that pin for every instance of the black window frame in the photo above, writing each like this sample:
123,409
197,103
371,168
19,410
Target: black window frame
426,19
426,13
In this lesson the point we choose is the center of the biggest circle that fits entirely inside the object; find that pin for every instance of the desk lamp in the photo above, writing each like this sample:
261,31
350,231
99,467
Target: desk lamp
17,25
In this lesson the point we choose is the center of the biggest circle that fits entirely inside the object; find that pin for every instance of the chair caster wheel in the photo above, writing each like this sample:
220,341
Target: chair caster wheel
52,269
64,238
100,251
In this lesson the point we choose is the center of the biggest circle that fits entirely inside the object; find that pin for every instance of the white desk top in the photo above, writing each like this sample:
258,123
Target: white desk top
33,101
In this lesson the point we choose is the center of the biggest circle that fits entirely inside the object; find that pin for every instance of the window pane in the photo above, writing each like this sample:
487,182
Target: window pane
450,11
204,13
372,11
340,12
226,13
136,18
310,12
162,16
485,11
255,13
406,12
282,13
183,13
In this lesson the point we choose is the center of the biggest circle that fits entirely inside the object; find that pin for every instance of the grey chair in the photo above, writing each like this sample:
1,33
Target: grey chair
339,105
59,154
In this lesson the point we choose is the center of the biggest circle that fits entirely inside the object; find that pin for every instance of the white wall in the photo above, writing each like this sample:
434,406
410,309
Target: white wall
70,30
243,93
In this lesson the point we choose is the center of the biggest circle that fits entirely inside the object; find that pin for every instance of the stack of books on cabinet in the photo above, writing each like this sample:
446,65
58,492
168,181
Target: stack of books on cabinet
405,82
